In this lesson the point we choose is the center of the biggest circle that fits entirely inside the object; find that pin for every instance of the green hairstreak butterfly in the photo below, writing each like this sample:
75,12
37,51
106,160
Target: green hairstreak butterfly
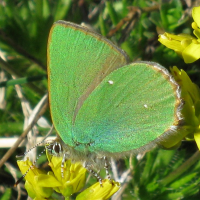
103,105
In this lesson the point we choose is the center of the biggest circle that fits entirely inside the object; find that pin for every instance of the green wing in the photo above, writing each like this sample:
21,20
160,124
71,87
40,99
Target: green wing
132,107
78,60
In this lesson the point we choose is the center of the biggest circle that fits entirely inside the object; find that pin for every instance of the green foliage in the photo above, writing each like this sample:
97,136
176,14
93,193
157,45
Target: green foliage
150,174
24,28
6,195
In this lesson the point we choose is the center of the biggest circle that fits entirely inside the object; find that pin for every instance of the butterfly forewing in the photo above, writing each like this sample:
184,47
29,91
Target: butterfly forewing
78,60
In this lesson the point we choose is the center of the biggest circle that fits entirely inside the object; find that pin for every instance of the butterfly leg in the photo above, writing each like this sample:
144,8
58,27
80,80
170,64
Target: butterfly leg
95,174
62,165
106,167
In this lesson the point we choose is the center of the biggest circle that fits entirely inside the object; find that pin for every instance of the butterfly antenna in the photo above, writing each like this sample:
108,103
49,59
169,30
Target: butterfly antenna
30,167
25,153
46,147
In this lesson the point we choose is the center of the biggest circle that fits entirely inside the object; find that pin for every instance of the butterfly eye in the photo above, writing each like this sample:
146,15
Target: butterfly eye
57,149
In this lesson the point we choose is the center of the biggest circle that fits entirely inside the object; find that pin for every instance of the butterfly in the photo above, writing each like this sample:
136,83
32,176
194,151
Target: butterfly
101,104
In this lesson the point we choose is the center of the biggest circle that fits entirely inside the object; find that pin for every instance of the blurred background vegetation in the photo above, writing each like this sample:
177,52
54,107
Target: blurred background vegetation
133,25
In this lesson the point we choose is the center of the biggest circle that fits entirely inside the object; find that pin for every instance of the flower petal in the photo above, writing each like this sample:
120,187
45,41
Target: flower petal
196,15
96,192
171,44
197,138
31,184
48,181
191,53
196,30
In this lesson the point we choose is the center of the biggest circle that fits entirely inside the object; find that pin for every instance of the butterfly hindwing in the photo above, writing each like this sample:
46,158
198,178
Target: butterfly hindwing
133,106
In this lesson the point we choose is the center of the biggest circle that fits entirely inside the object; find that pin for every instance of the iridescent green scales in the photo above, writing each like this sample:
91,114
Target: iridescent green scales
100,103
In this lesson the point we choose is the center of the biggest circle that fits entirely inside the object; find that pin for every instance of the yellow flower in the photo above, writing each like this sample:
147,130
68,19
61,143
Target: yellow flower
191,109
73,179
196,16
40,185
98,192
183,44
34,190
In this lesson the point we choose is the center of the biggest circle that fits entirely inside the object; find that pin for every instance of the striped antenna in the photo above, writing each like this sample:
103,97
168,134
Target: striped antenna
30,167
46,147
25,153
